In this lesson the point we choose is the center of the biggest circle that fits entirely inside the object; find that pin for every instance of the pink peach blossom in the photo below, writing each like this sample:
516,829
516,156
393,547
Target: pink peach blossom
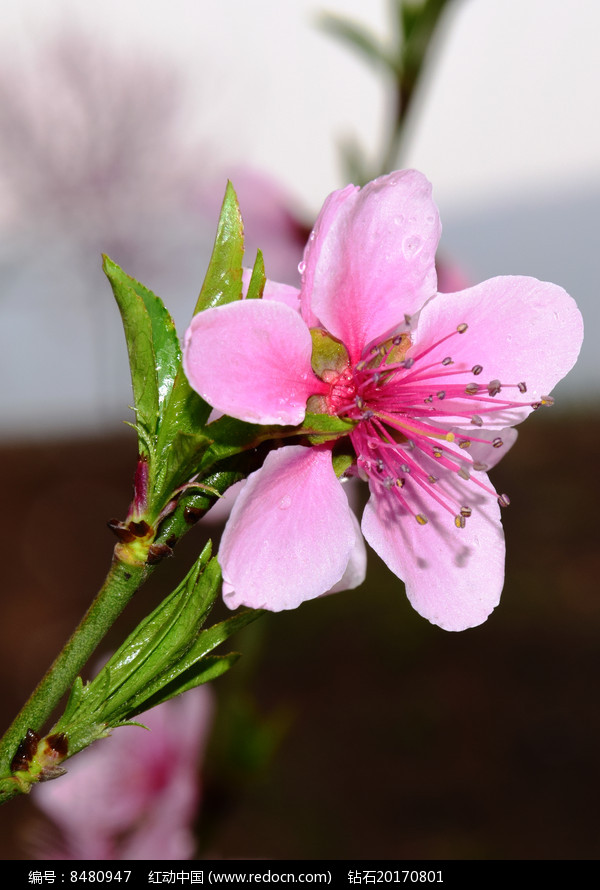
433,382
134,795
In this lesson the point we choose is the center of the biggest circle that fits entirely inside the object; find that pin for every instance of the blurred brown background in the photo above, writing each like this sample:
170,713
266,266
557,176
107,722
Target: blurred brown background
401,740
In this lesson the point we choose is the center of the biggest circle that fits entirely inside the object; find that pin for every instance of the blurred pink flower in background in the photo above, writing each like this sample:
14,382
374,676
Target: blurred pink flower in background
96,157
134,795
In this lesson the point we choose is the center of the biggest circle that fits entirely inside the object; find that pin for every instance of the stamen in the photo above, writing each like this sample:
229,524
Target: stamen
404,420
547,400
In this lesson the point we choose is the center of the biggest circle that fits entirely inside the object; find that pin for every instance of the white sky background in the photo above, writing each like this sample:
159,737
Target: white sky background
511,102
508,114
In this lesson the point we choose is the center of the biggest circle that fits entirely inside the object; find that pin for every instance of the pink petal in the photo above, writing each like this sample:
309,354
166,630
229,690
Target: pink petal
519,329
251,359
372,259
290,535
318,251
484,452
356,569
453,576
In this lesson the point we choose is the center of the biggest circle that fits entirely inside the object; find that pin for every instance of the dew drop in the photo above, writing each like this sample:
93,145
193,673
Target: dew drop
411,246
301,267
285,502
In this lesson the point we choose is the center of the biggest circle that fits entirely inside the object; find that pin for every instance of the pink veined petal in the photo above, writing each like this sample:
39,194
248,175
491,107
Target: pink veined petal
356,569
280,293
251,359
290,535
373,258
318,250
484,452
453,576
519,330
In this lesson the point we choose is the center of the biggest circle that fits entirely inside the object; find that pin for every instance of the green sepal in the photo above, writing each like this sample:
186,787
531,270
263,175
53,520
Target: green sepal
328,354
230,436
324,427
341,463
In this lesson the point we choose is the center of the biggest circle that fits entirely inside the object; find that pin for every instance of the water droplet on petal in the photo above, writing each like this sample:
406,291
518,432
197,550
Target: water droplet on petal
301,267
285,502
411,246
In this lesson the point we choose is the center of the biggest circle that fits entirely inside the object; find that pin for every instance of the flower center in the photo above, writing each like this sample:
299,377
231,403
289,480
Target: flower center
410,410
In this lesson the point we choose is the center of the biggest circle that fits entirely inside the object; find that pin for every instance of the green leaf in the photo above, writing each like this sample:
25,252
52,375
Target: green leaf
75,699
207,669
356,36
258,279
223,281
192,667
150,650
181,438
152,342
138,334
162,638
165,655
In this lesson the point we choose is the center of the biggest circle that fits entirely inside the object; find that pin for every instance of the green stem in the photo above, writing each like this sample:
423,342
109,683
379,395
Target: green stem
412,51
121,583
